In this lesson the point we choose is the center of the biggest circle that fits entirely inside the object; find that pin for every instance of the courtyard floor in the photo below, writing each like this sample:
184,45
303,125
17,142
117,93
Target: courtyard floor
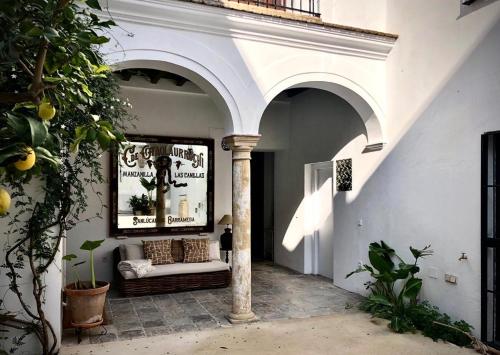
350,333
277,294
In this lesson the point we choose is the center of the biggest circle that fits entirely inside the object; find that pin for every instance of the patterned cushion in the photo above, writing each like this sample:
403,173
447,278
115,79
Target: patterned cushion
196,250
159,251
177,250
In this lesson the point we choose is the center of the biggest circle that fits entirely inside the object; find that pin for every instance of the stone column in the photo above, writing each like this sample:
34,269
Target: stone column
241,282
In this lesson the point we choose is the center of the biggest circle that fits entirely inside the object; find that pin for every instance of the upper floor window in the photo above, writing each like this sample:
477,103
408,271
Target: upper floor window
303,7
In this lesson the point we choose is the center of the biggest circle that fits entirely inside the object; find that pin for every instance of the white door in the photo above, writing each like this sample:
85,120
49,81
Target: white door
319,216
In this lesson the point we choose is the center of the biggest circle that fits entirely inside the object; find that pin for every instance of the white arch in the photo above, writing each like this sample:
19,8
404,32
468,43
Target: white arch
366,106
188,68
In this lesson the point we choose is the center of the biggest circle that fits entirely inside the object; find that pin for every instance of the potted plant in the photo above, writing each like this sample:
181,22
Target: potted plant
150,186
140,205
86,299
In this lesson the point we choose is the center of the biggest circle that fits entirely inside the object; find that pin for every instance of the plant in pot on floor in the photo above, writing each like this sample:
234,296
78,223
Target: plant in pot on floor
86,298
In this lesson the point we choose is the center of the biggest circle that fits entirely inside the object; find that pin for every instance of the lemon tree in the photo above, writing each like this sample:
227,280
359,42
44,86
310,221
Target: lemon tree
59,110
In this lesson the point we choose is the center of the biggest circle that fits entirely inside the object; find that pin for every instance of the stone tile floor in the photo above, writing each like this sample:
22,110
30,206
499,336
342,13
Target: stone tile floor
277,293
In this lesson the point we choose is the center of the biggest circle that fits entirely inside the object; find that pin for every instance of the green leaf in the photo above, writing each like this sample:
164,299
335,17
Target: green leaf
99,39
420,253
93,4
91,244
387,248
86,90
397,324
69,257
380,300
104,140
79,263
18,124
91,134
81,132
51,34
357,271
412,288
107,24
102,69
44,154
9,154
51,79
34,31
38,130
105,124
380,262
27,104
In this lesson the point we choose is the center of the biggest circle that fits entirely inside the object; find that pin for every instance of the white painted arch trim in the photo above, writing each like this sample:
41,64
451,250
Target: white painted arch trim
188,68
366,106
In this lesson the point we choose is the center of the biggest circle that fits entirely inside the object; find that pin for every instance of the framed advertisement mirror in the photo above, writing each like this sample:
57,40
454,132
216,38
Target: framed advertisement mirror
162,186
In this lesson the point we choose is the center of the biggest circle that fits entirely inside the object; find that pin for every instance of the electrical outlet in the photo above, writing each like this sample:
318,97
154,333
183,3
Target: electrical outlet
452,279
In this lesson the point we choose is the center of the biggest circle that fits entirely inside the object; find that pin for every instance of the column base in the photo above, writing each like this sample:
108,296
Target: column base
241,318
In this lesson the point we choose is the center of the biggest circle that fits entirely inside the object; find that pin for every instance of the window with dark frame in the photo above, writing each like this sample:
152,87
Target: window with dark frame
490,240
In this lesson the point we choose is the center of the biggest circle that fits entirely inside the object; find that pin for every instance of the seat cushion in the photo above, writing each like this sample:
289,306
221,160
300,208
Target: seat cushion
159,251
180,268
196,250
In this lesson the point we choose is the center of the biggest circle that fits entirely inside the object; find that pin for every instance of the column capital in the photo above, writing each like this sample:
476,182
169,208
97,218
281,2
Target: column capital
241,145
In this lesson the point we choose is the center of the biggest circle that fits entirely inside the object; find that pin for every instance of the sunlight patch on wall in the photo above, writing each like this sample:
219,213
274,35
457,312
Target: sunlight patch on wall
310,216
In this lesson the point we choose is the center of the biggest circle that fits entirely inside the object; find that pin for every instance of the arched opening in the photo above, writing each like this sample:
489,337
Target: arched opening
173,101
196,73
307,129
304,131
360,99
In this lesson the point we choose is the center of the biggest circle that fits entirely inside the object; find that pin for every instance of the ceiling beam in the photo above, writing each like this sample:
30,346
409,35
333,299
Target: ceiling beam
125,74
294,92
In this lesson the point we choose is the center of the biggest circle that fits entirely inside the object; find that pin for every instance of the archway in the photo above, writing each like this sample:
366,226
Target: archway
318,125
187,68
359,98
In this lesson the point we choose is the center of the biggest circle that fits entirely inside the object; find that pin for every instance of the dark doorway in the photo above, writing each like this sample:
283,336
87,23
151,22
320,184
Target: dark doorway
262,190
490,238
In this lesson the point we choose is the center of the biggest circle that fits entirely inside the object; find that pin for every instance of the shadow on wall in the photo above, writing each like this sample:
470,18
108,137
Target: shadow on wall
427,189
321,124
474,5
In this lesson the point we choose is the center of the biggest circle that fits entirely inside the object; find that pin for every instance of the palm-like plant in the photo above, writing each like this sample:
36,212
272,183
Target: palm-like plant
395,287
150,186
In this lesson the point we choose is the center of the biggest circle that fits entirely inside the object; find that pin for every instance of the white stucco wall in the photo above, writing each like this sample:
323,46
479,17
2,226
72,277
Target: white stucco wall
424,187
247,59
368,14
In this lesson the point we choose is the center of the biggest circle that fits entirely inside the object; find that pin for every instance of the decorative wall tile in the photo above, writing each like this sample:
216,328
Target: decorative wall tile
344,175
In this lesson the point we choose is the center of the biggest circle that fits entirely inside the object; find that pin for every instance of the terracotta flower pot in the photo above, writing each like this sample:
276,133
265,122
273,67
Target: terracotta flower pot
86,306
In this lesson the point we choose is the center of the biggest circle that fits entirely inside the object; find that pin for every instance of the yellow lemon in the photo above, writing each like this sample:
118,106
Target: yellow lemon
27,162
4,201
46,111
